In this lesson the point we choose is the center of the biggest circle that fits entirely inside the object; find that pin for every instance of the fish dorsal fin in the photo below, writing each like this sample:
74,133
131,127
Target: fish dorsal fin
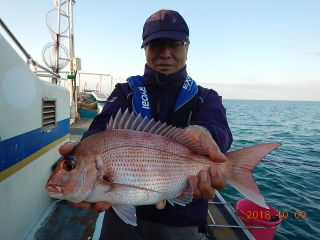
123,119
149,125
136,122
109,124
142,124
116,120
130,120
182,136
155,127
161,128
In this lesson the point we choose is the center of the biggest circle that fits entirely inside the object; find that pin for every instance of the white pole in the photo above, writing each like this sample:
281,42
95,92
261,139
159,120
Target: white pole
72,104
72,28
58,32
111,84
70,50
73,55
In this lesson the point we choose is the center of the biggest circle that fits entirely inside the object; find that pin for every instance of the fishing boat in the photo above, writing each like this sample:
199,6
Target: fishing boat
37,117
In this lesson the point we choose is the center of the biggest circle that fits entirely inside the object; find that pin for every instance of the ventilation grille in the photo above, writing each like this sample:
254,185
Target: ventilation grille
48,114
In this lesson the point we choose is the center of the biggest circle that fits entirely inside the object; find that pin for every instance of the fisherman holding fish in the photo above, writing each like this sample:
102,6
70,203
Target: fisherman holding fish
167,94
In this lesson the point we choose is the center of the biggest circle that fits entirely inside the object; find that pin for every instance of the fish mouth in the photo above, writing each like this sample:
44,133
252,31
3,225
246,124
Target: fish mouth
54,189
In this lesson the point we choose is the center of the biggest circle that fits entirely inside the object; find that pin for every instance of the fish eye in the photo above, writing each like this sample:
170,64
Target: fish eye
70,164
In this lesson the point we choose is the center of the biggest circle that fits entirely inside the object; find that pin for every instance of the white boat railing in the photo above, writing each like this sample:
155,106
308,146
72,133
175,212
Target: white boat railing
234,215
26,54
99,82
98,85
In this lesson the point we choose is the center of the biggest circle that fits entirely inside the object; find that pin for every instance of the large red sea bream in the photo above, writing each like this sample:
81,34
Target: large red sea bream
140,162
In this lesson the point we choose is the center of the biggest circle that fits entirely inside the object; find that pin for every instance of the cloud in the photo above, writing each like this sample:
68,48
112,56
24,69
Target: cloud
260,90
312,53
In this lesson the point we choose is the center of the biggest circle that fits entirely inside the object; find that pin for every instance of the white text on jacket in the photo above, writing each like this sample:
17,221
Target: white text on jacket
144,96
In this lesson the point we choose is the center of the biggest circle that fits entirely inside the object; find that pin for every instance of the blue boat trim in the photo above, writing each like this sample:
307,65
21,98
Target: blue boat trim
16,149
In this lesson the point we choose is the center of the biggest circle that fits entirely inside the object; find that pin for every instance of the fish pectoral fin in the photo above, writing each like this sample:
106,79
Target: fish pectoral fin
127,213
185,197
112,187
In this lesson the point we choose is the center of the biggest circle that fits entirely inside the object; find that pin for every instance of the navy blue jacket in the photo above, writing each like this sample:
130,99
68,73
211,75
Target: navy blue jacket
163,91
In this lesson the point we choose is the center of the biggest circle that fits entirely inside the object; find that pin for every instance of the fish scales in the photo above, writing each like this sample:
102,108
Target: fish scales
148,161
127,167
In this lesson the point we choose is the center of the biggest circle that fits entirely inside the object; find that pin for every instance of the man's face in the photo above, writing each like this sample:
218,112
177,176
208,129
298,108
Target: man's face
166,59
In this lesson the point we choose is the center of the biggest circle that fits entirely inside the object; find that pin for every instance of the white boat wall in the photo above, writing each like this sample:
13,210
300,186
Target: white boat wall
34,122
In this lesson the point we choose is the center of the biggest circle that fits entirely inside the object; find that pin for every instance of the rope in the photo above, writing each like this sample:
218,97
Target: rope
306,164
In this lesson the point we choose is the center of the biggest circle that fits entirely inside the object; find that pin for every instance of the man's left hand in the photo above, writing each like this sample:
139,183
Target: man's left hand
209,143
205,184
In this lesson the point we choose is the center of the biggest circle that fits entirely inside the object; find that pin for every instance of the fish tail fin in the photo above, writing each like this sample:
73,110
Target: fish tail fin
242,162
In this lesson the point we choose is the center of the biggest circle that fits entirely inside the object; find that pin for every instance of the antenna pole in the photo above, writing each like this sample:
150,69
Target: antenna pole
72,31
72,88
70,50
58,34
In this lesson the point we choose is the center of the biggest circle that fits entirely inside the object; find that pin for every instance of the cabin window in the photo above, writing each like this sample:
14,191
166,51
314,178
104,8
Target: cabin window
48,114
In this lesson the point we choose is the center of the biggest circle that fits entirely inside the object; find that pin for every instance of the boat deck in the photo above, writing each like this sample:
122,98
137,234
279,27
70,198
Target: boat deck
66,222
62,221
78,128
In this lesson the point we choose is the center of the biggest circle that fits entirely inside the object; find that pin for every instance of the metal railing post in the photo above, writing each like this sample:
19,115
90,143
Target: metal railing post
79,83
111,84
100,82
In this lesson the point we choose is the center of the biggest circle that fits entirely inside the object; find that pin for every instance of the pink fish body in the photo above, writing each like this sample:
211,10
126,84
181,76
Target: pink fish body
140,162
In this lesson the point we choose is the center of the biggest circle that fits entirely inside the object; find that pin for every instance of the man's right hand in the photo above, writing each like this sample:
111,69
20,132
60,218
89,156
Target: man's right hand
67,147
96,207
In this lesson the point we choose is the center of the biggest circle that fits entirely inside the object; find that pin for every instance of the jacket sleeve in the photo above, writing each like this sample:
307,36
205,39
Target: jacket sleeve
118,99
211,115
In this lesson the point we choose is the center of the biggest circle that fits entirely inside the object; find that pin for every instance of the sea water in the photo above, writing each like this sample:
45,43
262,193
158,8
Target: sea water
294,190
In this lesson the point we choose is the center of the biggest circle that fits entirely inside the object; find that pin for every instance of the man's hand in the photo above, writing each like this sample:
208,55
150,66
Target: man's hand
98,207
205,184
67,147
212,147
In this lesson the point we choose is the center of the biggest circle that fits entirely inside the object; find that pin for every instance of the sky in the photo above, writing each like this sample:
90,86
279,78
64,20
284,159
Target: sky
261,50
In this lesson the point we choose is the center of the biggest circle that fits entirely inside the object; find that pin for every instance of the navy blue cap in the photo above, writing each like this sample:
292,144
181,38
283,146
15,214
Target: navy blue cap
164,24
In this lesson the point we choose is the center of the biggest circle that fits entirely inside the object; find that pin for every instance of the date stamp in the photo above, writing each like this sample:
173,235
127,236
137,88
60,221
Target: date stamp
267,215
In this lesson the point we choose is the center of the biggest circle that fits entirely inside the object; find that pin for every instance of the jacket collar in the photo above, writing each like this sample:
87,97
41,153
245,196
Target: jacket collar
155,79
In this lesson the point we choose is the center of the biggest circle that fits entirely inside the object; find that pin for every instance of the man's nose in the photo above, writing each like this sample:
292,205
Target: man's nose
165,51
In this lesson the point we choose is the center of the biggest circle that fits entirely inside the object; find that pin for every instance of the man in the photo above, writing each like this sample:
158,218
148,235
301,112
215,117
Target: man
167,94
